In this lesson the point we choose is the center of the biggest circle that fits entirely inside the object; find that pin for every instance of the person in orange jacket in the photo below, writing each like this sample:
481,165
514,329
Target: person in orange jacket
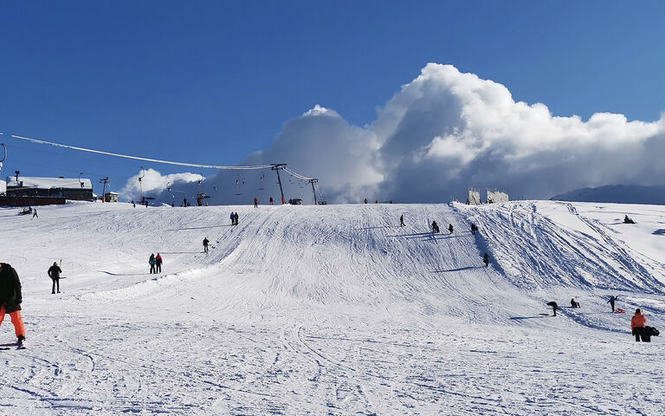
637,325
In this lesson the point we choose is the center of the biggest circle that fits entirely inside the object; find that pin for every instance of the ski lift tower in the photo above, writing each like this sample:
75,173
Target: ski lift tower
141,184
2,186
314,181
276,167
104,181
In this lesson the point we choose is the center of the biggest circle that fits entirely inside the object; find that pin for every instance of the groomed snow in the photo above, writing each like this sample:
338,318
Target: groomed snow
335,310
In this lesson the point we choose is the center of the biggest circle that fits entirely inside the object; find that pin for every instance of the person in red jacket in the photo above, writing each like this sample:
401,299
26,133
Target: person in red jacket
637,325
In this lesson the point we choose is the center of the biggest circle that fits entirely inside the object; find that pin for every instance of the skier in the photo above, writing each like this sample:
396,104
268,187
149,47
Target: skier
574,304
486,259
256,202
401,220
450,228
473,229
152,262
637,326
612,300
158,263
205,245
10,300
435,227
54,273
554,307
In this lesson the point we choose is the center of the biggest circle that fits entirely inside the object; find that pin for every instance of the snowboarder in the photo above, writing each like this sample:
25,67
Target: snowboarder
54,273
554,307
34,213
152,262
205,245
10,300
486,259
158,263
450,228
637,325
612,300
574,304
256,202
435,227
401,220
473,229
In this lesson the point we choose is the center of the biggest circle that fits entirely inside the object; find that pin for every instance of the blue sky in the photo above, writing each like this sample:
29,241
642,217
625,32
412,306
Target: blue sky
212,82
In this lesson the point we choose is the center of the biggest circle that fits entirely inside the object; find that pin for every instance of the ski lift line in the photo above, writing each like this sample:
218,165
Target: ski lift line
168,162
296,175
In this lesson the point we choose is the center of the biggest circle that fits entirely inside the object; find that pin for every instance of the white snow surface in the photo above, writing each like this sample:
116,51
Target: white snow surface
335,310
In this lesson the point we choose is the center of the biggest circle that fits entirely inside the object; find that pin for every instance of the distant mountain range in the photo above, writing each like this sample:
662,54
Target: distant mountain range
620,194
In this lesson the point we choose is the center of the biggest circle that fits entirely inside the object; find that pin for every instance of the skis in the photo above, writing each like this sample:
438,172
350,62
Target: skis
18,345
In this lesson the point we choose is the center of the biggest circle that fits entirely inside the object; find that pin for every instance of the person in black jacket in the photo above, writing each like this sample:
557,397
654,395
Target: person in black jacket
54,273
11,298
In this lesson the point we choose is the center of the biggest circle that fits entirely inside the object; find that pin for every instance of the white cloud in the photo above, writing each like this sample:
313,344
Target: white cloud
446,131
154,184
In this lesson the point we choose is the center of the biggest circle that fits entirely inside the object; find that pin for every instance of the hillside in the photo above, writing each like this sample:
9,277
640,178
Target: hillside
335,310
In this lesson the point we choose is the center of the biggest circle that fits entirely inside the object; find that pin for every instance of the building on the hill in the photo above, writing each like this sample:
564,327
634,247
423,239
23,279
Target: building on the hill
474,197
30,187
496,197
111,197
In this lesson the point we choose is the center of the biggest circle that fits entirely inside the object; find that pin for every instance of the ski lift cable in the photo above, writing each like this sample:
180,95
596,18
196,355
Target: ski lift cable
168,162
295,174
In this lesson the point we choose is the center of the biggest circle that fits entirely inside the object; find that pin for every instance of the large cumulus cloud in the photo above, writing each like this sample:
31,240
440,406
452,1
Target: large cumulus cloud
444,132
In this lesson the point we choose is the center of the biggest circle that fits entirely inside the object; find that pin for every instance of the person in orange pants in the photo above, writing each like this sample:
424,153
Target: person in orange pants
10,299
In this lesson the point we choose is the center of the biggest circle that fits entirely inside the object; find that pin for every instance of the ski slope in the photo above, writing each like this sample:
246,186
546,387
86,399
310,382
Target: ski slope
335,310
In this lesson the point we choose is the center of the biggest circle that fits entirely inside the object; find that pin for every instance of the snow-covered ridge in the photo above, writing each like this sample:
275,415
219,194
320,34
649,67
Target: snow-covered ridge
332,309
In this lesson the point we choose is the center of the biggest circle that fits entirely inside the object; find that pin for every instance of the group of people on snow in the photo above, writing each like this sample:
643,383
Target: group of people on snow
155,263
234,218
638,326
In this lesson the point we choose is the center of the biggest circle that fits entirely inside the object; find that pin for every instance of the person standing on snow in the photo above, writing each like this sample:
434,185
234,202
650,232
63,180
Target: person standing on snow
11,299
450,228
474,228
256,202
401,220
158,263
34,213
612,300
486,259
271,201
637,325
233,218
152,262
54,273
205,244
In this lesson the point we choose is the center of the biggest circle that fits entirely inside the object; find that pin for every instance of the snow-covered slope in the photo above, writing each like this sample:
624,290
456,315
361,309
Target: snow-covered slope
335,310
623,194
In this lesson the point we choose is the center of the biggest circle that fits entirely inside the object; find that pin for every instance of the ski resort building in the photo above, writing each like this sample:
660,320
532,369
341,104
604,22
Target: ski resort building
496,197
474,197
24,191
